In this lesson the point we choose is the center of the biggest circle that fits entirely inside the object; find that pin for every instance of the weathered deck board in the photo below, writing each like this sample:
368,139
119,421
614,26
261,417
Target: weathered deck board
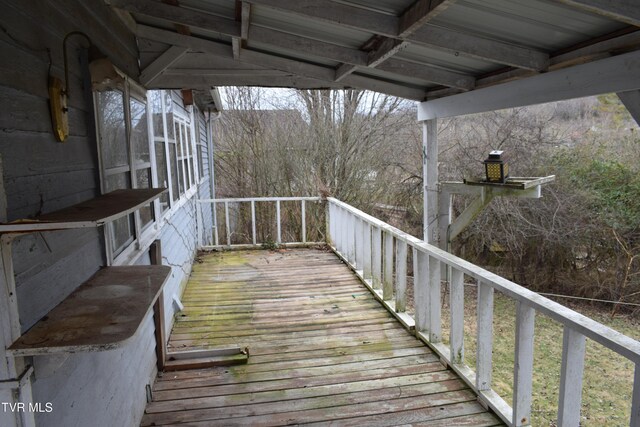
322,350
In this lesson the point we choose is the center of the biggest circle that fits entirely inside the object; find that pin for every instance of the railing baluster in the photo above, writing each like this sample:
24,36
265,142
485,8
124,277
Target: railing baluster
523,365
387,281
376,262
303,207
421,292
351,239
570,398
635,402
456,302
253,222
435,318
401,276
226,221
485,337
279,235
366,229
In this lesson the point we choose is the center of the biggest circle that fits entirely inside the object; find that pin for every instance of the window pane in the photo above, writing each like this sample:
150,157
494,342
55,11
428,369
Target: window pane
200,160
121,229
188,143
139,131
143,180
173,164
169,110
163,178
155,100
180,155
113,140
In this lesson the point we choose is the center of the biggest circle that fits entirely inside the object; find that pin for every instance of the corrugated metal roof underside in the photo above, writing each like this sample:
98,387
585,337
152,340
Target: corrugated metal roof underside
542,25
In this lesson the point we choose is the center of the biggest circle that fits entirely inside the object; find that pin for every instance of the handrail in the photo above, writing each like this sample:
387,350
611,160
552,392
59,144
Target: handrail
252,201
351,233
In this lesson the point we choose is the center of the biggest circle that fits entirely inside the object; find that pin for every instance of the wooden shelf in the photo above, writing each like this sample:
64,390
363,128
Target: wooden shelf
101,314
92,213
516,183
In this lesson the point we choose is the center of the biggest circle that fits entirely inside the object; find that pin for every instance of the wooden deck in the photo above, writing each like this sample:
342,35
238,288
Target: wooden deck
322,351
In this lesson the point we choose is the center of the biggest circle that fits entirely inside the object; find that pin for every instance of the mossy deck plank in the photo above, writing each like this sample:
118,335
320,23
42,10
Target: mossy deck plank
322,350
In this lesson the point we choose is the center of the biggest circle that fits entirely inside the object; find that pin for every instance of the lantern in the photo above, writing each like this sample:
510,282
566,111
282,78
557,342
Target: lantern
495,167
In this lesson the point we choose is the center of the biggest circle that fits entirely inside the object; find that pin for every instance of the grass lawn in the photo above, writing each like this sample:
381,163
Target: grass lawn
608,377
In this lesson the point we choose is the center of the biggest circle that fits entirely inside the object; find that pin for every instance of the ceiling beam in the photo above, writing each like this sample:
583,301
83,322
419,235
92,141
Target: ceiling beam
161,63
616,74
419,13
177,81
386,50
428,73
275,62
621,10
176,14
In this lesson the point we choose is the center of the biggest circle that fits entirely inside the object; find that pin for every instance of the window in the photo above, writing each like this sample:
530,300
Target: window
125,158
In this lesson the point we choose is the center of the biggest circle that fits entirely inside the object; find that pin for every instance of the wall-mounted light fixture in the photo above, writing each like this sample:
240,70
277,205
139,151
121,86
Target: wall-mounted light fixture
102,72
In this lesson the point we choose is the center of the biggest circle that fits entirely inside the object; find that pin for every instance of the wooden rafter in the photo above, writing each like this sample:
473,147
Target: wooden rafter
624,11
160,64
419,13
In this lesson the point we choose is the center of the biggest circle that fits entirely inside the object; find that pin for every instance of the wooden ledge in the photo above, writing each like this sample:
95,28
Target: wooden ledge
101,314
91,213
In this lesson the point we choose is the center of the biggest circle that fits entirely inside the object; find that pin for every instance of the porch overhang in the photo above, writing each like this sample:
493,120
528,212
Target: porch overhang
419,50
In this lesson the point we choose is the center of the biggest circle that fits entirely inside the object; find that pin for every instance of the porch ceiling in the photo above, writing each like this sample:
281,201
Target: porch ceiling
422,49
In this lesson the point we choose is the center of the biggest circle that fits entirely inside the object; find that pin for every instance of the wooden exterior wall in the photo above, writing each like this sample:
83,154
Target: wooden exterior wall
42,175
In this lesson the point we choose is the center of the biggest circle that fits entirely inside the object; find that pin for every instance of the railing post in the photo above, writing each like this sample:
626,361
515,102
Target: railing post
421,292
456,303
387,281
359,244
366,229
376,264
304,221
253,222
635,402
401,276
570,396
523,365
279,227
435,317
484,337
226,222
351,238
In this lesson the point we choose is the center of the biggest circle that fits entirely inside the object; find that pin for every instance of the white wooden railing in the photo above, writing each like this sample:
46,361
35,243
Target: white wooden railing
255,241
377,252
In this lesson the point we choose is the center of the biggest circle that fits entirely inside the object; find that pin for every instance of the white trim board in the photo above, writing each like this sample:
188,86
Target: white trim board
616,74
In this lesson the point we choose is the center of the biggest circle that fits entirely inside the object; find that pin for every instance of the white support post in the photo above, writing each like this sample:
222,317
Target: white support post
523,365
226,222
421,292
484,337
279,225
366,267
456,302
401,276
430,179
351,238
376,262
216,237
253,222
435,316
387,281
359,245
332,220
635,402
570,398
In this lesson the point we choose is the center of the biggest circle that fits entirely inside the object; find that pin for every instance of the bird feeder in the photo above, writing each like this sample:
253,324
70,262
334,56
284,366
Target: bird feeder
496,169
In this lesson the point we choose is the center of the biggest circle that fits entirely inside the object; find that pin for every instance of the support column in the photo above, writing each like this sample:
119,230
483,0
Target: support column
430,180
